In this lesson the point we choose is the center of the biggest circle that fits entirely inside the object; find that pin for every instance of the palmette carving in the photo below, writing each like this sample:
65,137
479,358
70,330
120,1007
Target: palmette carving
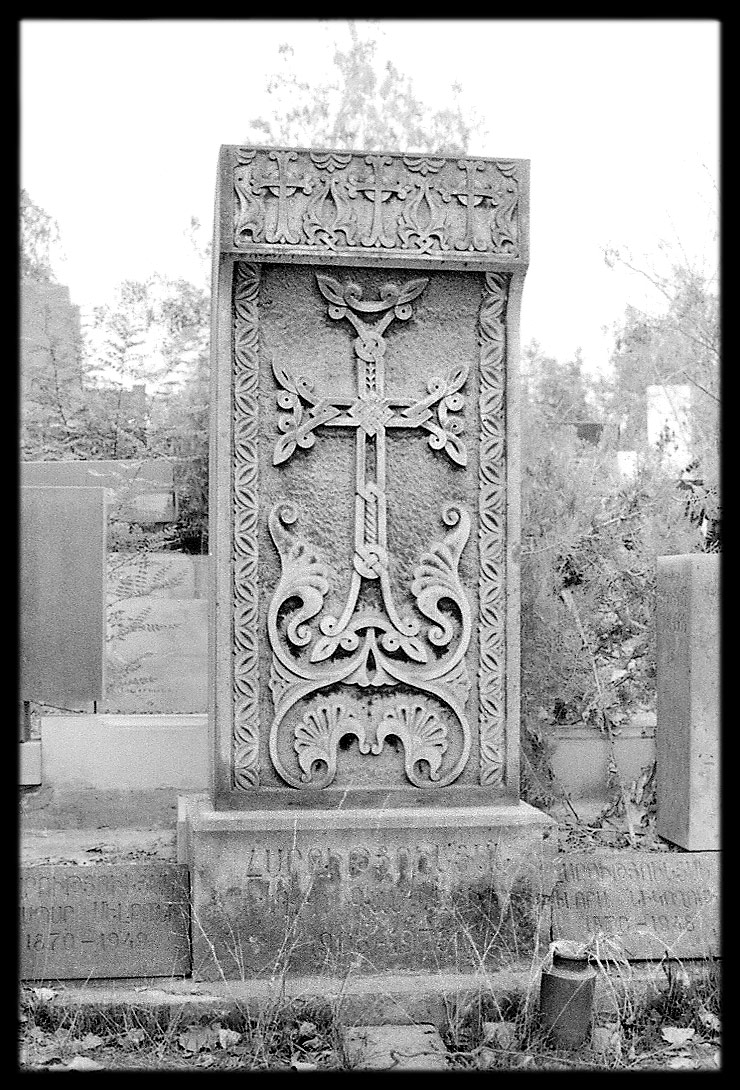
317,739
424,738
369,647
492,512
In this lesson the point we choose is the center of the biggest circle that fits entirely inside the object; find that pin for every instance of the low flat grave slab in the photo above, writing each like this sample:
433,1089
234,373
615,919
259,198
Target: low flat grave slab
104,921
650,904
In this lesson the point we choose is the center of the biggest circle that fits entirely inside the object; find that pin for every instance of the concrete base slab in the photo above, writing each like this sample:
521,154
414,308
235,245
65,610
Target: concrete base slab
395,1048
79,847
392,999
366,890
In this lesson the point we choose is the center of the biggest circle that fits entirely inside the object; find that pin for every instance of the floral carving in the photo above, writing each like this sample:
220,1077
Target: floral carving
424,738
318,735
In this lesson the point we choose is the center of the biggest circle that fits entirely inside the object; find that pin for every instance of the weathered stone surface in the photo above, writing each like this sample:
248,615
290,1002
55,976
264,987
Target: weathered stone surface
312,891
62,595
395,1048
364,515
108,920
647,904
366,473
687,730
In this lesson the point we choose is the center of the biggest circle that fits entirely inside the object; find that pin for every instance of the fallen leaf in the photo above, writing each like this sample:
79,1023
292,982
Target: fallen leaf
83,1063
680,1063
89,1042
677,1035
44,995
709,1021
312,1043
306,1029
196,1038
132,1038
227,1038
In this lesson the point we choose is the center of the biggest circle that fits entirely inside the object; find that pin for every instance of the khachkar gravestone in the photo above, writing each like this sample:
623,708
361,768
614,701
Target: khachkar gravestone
364,519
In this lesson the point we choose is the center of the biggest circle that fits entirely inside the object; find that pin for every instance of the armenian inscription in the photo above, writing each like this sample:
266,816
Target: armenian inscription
120,920
427,904
648,904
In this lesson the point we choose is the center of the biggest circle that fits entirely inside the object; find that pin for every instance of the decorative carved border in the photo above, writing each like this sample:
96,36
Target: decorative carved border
491,533
369,208
244,549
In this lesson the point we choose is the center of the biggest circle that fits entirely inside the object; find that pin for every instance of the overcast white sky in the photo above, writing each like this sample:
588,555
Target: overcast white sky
121,122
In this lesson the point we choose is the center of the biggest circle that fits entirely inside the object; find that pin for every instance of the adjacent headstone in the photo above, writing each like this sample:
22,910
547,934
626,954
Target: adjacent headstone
104,921
687,730
62,595
364,517
157,656
639,905
140,491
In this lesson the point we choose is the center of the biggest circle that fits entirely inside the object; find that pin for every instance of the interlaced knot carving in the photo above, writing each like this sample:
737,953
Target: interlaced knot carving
360,646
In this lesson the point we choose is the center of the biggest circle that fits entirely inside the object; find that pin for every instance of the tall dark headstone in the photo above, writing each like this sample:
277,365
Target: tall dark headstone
62,595
365,531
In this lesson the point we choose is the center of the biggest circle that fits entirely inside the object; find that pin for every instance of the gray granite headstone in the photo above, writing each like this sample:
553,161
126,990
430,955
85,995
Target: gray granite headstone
687,738
138,490
641,905
62,595
365,523
104,920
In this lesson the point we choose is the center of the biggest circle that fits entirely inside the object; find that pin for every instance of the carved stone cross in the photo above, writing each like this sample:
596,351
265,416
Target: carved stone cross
282,187
378,190
371,412
470,196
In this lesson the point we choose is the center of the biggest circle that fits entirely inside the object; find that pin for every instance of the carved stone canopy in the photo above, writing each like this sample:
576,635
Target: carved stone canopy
354,207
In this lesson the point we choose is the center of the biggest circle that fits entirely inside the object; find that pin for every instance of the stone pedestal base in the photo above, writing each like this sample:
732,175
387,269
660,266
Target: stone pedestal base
366,889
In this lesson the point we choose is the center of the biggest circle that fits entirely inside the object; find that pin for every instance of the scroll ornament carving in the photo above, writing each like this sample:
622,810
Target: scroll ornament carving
492,603
338,200
360,645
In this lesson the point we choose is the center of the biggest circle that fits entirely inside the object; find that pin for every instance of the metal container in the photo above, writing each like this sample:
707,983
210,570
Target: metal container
567,996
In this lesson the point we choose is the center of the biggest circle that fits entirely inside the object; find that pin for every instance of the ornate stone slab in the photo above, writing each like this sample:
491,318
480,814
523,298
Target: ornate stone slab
364,518
358,208
107,920
366,473
649,904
